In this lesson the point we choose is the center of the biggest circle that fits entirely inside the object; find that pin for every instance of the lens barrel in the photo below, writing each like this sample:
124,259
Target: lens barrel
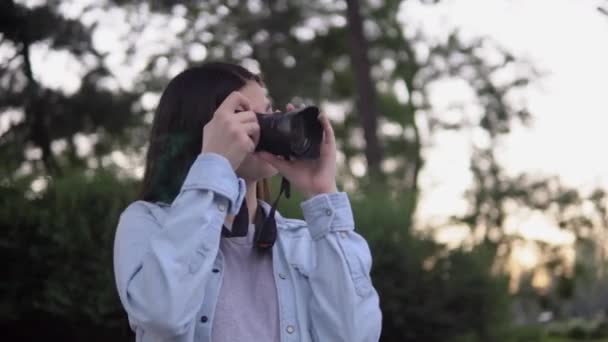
296,134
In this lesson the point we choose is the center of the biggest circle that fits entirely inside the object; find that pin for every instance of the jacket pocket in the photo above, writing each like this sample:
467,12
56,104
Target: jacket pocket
298,253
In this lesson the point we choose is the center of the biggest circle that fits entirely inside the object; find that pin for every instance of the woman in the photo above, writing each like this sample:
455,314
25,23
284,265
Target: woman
195,259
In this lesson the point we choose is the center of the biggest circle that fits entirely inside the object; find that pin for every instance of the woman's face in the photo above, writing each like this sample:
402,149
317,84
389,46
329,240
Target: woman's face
253,168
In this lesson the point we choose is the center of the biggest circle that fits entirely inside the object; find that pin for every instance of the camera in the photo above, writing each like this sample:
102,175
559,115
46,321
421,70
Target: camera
294,135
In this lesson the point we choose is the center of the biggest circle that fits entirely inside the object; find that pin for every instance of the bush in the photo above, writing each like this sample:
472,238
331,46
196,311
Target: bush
59,251
578,329
528,334
601,330
58,245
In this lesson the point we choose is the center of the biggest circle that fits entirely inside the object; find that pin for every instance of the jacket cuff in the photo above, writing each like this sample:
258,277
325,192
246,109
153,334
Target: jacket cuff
211,171
328,212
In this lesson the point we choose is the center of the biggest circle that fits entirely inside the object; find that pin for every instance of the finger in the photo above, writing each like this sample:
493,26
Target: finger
328,131
248,143
253,130
290,107
233,102
251,146
248,116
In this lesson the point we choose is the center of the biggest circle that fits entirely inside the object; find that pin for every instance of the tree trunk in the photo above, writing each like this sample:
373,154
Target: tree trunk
34,110
366,91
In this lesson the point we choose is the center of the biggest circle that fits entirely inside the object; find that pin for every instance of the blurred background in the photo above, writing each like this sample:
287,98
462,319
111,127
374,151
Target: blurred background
471,134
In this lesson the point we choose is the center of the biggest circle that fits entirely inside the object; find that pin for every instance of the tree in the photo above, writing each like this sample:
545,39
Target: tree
603,10
59,206
44,117
366,92
302,50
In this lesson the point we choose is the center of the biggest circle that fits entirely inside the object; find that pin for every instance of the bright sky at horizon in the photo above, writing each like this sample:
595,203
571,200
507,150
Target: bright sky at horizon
566,41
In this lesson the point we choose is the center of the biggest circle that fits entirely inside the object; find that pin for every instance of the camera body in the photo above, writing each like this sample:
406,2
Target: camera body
294,135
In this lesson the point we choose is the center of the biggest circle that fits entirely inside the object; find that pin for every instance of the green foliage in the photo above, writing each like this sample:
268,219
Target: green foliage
429,293
51,115
528,334
58,245
579,329
576,330
561,331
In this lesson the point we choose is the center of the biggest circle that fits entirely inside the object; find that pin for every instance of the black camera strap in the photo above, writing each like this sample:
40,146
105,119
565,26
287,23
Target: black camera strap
265,225
266,235
240,225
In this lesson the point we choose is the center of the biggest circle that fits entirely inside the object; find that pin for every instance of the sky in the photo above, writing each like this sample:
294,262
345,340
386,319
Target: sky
565,40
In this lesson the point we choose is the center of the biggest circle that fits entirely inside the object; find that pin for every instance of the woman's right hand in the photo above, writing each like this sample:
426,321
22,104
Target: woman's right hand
229,134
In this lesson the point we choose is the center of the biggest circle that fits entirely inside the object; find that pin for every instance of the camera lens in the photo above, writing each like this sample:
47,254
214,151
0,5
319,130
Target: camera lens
300,147
295,134
300,143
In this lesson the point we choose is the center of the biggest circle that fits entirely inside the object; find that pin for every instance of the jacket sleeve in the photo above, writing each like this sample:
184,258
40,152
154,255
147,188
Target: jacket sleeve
344,304
161,268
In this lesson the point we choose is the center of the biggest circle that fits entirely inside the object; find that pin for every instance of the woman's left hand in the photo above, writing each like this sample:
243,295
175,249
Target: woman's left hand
310,177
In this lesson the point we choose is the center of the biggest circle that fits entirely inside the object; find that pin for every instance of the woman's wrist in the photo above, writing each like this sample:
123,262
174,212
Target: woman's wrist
328,190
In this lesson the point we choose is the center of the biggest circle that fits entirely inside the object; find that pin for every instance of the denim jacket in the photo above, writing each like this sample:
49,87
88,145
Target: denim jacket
166,262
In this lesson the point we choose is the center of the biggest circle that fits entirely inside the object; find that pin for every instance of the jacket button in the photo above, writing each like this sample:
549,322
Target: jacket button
282,276
328,212
343,235
290,329
215,270
204,319
221,206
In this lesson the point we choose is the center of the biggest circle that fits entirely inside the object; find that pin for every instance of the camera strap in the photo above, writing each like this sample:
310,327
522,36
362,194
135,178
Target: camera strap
266,235
265,225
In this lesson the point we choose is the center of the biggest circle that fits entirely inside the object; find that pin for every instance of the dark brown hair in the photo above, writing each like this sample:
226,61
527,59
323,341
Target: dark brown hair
186,105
